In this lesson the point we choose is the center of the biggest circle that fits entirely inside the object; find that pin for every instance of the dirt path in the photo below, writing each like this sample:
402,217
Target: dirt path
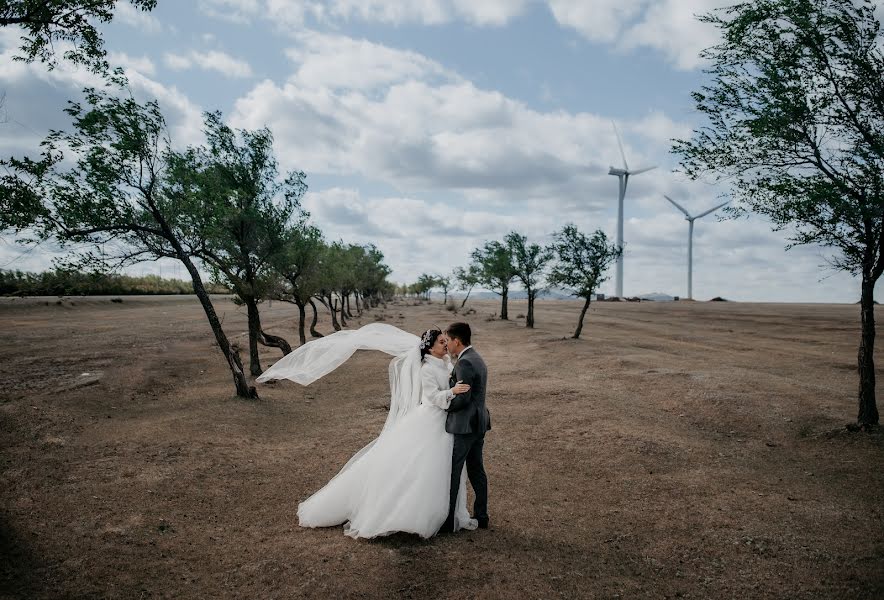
678,450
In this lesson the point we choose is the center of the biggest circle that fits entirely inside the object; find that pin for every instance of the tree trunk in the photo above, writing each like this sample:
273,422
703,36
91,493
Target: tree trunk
576,335
334,313
258,336
274,341
254,334
343,317
346,301
302,318
868,409
467,297
313,331
243,389
358,306
504,316
529,320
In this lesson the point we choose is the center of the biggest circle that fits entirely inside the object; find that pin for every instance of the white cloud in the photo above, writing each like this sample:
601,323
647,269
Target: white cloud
668,26
427,12
142,64
415,235
337,61
426,134
671,27
139,19
37,95
212,60
177,62
292,13
597,20
234,11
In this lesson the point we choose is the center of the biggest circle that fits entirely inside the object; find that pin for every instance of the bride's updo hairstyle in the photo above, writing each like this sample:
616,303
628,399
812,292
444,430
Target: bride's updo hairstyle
428,339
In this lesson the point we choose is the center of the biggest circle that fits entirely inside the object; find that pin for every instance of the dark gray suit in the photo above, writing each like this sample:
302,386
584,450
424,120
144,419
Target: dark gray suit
468,420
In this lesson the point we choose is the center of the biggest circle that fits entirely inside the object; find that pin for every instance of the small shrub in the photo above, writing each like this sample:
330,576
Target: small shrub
451,306
491,317
520,316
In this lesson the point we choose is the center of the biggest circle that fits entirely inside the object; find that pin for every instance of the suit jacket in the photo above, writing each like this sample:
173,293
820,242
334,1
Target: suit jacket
467,412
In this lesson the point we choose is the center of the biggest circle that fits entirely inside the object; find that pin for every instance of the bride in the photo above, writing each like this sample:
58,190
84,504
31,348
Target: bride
399,481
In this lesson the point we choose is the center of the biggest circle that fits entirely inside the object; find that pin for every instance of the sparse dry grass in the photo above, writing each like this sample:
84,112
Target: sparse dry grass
690,449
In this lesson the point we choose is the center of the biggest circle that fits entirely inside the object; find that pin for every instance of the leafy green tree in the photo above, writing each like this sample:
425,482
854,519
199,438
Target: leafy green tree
795,113
493,263
299,267
332,280
581,263
424,285
113,197
355,261
529,262
445,284
247,210
465,280
48,22
373,273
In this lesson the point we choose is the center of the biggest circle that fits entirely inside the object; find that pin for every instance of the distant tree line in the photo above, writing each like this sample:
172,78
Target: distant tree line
573,261
65,282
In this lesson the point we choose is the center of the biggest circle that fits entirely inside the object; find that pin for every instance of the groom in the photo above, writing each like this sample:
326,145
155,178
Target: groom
468,420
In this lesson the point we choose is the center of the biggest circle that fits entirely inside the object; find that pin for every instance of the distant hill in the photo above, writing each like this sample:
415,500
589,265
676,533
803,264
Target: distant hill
657,297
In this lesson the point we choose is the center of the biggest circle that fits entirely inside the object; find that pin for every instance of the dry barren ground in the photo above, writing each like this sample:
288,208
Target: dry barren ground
683,449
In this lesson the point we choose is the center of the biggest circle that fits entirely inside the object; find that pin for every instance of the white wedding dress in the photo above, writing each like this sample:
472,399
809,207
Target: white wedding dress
400,481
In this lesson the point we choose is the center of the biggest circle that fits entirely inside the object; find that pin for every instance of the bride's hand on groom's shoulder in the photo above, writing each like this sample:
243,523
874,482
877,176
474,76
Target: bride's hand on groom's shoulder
460,388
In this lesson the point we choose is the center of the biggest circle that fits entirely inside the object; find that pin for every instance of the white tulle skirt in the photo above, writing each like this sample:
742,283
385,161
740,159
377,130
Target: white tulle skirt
399,482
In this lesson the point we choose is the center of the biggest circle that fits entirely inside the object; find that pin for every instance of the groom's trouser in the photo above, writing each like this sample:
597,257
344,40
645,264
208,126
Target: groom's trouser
468,449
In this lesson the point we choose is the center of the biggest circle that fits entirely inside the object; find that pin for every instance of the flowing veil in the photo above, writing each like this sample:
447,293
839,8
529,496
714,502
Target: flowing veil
322,356
365,494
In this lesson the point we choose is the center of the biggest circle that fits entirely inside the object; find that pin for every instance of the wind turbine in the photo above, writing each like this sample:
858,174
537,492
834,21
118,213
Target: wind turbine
690,221
623,175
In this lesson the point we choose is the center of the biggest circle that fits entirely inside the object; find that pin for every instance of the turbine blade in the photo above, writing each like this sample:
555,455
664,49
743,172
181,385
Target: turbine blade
645,170
678,206
712,210
620,143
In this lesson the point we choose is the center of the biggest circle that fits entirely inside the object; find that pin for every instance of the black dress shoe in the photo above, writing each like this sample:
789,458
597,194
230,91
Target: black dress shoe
446,528
483,523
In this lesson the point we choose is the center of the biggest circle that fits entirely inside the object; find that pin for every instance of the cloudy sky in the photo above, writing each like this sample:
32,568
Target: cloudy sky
429,126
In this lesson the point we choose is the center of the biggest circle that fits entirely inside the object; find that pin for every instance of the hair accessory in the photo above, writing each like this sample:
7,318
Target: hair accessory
426,339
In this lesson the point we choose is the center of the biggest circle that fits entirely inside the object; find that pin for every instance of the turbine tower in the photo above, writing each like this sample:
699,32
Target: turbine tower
623,175
690,221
